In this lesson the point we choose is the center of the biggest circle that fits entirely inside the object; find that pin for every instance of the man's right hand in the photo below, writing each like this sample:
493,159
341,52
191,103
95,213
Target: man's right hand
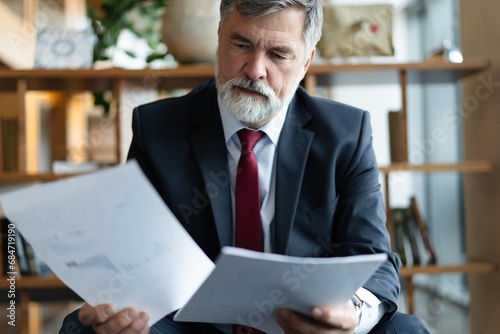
104,319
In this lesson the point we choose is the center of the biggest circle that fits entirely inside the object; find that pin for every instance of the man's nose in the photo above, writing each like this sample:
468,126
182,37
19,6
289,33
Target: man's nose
255,67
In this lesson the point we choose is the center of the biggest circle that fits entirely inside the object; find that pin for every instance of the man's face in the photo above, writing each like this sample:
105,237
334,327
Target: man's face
260,63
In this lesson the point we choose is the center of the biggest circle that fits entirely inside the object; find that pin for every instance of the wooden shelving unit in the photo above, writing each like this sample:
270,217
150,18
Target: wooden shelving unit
71,81
459,70
471,267
22,81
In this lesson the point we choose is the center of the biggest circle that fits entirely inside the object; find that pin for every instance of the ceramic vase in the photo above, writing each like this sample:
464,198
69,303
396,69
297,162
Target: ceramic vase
190,30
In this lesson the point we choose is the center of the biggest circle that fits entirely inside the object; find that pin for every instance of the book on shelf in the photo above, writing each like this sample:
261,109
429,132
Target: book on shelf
401,241
411,236
9,144
395,136
18,256
11,263
4,242
412,230
424,232
21,254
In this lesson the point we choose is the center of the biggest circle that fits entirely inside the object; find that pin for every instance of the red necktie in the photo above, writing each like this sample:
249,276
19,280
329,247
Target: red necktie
248,223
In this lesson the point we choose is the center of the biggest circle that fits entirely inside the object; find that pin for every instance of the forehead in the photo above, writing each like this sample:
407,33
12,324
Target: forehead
287,25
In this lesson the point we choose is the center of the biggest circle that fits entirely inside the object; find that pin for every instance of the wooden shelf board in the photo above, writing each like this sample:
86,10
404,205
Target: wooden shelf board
462,167
6,178
37,78
207,70
469,268
467,65
189,76
34,282
112,73
100,80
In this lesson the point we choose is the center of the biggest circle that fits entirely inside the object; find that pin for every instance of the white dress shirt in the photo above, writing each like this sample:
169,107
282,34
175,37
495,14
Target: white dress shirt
265,151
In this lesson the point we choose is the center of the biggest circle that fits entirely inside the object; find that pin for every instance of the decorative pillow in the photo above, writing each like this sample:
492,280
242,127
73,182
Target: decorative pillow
63,48
356,31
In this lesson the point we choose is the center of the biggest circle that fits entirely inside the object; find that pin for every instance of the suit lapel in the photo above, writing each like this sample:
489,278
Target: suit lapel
293,149
207,140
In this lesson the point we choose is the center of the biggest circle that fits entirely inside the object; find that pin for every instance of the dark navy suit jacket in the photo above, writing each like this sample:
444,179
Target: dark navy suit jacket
328,199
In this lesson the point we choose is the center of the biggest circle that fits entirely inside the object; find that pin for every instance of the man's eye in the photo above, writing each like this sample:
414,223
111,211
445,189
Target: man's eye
241,46
278,56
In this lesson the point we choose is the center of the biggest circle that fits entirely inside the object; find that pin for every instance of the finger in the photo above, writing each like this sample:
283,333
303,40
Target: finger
118,322
86,314
139,325
146,328
93,315
286,321
294,323
339,317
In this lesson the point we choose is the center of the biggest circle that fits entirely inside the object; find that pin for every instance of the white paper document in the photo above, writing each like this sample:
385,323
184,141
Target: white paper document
248,287
111,239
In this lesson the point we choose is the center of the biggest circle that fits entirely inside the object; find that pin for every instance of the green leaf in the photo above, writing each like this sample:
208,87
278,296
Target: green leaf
154,56
131,53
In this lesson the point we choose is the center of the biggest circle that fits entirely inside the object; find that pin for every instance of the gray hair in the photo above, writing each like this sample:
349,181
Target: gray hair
254,9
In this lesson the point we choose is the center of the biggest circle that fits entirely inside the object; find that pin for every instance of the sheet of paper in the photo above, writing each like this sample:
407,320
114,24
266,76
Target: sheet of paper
248,287
111,238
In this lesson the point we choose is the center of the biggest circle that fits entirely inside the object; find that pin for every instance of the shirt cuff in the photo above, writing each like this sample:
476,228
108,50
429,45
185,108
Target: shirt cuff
371,312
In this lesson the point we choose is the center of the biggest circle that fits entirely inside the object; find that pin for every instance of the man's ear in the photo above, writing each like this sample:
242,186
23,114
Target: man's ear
308,62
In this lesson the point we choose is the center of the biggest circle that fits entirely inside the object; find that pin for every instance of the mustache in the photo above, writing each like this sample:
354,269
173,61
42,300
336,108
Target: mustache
256,86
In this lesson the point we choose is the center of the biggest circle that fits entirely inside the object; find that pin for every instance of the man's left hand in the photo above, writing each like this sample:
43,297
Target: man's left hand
323,319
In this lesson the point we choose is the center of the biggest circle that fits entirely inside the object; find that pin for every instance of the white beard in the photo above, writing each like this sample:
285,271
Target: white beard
246,108
251,109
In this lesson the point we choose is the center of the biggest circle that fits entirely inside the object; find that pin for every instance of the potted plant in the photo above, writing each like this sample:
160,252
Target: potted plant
112,17
143,18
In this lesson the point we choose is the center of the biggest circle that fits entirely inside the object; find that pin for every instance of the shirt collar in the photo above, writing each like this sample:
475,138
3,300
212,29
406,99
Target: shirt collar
272,128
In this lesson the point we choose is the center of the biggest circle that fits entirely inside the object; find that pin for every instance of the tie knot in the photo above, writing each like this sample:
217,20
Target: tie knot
249,139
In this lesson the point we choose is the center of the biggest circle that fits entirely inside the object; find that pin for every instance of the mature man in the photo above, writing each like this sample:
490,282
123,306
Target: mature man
311,170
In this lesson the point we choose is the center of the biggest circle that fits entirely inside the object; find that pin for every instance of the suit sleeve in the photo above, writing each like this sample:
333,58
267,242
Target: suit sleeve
71,325
137,149
361,218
